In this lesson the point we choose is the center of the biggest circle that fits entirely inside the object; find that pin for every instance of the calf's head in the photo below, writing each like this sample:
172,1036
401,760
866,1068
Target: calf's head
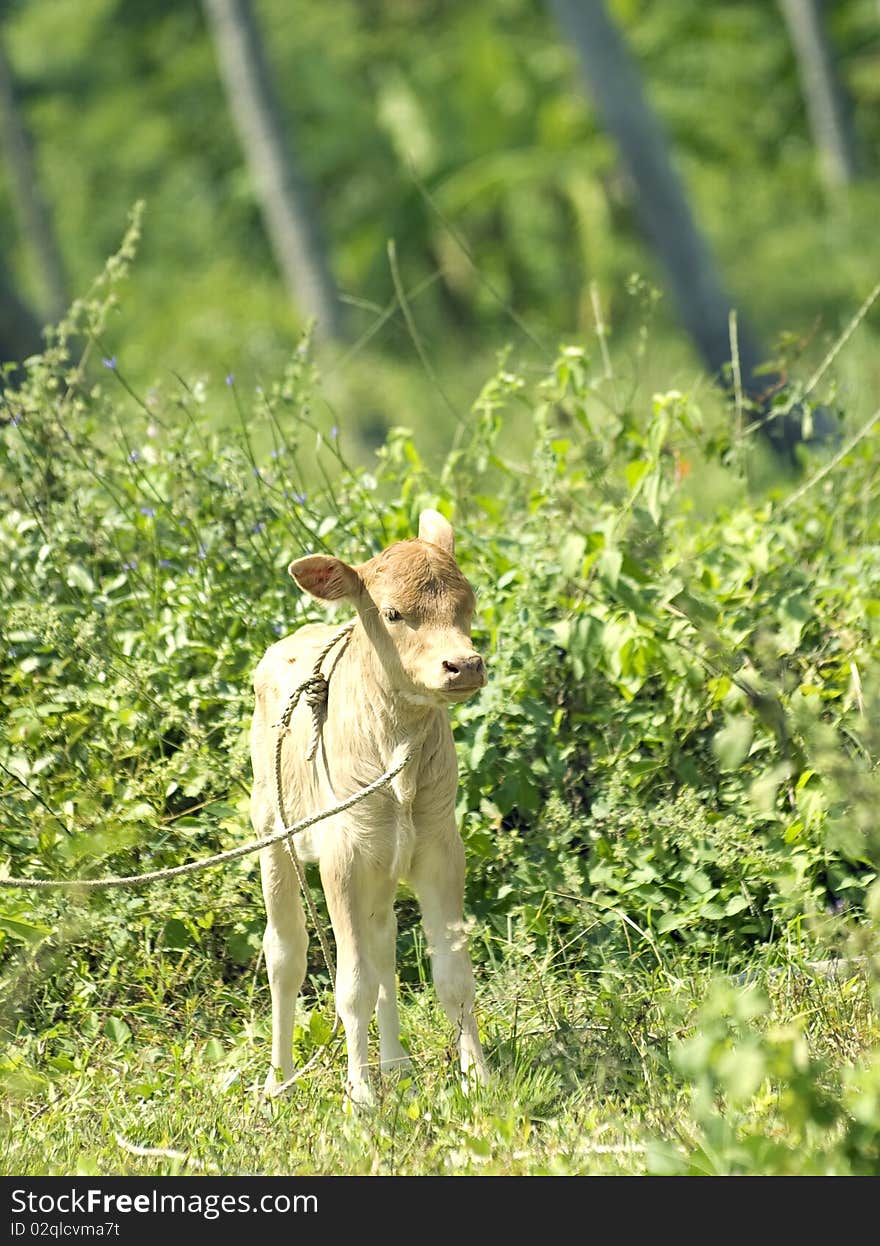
416,608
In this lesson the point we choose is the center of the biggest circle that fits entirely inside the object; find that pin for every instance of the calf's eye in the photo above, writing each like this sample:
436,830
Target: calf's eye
393,616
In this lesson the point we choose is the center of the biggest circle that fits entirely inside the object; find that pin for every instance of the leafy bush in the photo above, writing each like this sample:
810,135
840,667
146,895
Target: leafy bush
675,753
672,689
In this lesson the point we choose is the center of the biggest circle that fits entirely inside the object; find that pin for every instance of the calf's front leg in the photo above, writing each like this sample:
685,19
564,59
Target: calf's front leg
437,878
357,894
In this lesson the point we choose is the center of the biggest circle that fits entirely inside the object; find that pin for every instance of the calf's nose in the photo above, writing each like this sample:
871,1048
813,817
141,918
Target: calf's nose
466,669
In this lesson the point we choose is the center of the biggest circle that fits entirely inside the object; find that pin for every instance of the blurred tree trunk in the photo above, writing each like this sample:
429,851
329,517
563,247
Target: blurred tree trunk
33,215
282,191
19,329
823,91
660,200
664,212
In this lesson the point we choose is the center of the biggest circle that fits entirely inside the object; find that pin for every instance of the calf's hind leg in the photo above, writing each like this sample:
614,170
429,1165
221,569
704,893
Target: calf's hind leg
285,944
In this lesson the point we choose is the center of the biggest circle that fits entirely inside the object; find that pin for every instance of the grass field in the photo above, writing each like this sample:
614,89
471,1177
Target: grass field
614,1070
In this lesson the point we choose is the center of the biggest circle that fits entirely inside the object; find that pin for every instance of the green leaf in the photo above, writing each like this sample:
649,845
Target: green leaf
213,1051
117,1031
741,1071
176,936
30,930
478,748
732,743
62,1064
635,471
671,921
78,577
609,565
571,554
243,946
320,1029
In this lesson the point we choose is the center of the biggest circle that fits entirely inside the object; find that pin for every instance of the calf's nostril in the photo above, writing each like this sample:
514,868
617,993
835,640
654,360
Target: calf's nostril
471,665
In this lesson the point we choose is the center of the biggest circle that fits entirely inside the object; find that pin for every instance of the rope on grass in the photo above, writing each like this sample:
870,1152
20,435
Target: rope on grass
163,1152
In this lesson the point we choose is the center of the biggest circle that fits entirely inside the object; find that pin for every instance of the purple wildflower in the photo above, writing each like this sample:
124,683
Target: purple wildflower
130,566
258,528
230,378
134,456
149,511
164,562
277,629
109,361
334,431
203,553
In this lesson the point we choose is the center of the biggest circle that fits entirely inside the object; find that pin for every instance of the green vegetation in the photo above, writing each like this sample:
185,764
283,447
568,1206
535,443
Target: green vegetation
668,797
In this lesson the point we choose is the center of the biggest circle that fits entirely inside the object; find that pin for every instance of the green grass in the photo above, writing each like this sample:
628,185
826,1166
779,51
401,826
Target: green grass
586,1078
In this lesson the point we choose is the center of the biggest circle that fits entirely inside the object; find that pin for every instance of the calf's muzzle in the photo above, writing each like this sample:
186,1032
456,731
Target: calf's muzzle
466,670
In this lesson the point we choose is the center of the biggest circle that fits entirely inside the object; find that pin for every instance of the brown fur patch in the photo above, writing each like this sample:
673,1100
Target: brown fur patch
418,579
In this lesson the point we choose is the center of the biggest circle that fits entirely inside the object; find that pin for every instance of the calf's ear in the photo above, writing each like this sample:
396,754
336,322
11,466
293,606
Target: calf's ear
328,579
434,528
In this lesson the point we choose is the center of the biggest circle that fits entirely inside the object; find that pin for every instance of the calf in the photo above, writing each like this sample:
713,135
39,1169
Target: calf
408,658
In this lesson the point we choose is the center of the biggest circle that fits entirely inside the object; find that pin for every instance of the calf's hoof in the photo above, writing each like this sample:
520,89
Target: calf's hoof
275,1083
474,1075
397,1066
358,1096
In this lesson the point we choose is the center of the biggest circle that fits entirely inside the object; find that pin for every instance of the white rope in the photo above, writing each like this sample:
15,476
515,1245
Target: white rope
232,854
